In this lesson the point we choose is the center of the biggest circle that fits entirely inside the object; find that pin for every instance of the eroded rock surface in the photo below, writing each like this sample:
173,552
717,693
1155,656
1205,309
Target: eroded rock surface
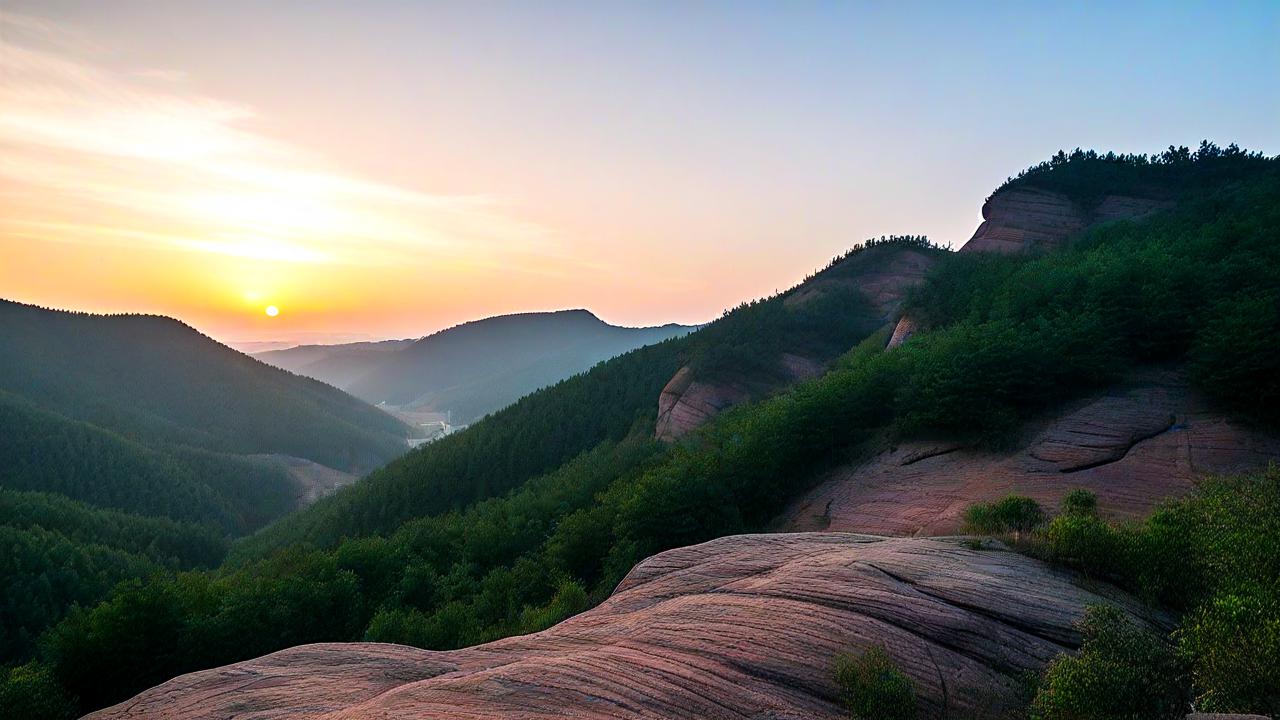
1133,447
740,627
685,403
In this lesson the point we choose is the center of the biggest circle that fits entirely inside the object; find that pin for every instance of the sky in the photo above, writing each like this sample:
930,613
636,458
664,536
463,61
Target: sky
388,169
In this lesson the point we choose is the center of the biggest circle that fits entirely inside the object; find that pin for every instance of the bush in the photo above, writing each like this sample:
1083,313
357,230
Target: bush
1080,502
1014,513
873,688
1085,542
1234,646
31,692
1122,671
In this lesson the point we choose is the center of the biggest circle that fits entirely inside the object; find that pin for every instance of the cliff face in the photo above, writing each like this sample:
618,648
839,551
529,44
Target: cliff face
1133,447
1026,219
687,402
740,627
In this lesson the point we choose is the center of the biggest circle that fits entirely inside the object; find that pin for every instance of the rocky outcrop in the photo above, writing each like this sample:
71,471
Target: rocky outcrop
685,403
1133,447
884,285
740,627
883,278
1028,218
1022,219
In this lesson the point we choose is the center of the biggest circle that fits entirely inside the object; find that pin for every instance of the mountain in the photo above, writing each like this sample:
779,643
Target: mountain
154,380
1102,373
338,365
131,445
475,368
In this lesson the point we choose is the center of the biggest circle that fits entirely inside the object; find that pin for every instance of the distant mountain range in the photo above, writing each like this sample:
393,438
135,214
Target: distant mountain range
471,369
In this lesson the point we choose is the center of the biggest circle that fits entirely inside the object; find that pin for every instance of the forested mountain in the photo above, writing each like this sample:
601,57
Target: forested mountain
538,511
129,437
153,379
475,368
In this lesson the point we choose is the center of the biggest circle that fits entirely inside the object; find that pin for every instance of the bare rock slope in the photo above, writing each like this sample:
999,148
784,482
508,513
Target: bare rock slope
1133,446
740,627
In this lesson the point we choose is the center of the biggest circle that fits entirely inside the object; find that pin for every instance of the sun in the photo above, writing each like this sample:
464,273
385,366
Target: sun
272,311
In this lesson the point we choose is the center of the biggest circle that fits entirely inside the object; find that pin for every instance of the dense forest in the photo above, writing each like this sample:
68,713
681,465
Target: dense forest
123,444
153,379
537,512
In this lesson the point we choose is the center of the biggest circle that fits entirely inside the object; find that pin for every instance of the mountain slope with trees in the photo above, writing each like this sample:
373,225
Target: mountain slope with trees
518,522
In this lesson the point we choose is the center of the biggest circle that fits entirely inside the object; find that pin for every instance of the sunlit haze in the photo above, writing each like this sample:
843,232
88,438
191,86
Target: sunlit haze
328,171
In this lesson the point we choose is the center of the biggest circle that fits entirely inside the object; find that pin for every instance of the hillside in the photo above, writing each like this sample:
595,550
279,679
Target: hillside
475,368
141,447
518,523
155,380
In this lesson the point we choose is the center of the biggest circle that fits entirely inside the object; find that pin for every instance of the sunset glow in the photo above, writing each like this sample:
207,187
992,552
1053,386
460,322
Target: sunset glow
176,159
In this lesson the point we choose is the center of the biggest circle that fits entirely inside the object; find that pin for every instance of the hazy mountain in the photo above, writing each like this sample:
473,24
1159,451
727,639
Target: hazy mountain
155,380
474,368
339,365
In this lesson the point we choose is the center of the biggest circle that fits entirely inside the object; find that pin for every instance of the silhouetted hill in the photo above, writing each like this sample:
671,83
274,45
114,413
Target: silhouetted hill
474,368
339,365
155,380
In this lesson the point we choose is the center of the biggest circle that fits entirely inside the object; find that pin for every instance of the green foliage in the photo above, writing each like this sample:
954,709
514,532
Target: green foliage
1011,514
1234,643
1079,502
1087,176
1215,556
59,553
1121,671
1235,356
873,688
30,692
158,382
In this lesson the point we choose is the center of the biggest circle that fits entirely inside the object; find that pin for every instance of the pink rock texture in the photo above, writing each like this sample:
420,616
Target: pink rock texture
1023,219
685,403
1133,447
884,283
740,627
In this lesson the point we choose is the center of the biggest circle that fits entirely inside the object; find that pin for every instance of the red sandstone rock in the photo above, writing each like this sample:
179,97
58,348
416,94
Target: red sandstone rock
740,627
1133,447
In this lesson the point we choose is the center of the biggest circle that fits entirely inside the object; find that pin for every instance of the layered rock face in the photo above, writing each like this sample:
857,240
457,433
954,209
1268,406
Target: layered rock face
688,402
740,627
1024,219
1133,447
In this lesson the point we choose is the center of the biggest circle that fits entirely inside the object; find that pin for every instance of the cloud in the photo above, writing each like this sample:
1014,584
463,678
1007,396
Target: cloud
98,156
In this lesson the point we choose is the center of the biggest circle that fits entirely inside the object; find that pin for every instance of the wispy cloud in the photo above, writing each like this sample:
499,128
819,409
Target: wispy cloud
94,155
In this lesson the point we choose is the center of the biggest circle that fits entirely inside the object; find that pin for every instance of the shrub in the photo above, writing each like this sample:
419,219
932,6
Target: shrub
873,688
30,691
1085,542
1233,643
1080,502
1012,514
1122,671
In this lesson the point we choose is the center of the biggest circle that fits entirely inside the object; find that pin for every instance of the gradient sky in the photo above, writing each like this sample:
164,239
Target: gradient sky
385,169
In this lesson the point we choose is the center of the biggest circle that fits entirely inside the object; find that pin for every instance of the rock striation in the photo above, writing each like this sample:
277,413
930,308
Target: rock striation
1133,446
739,627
